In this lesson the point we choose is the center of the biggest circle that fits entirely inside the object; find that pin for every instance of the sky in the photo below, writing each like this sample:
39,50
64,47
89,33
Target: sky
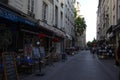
88,9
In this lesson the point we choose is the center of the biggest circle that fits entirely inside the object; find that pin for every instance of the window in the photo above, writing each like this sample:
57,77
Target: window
28,5
44,11
114,19
56,15
113,7
119,12
32,5
31,8
51,1
62,5
61,19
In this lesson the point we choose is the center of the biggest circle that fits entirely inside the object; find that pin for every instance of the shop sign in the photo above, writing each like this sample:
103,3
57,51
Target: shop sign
41,35
14,17
8,15
55,39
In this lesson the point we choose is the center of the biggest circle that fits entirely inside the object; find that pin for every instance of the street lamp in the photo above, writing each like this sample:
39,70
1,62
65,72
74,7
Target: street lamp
39,73
38,43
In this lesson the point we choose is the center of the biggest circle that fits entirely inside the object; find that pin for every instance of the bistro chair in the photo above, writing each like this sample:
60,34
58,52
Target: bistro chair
25,64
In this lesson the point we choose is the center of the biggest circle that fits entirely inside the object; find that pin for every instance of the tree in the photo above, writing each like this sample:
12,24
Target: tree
89,44
92,43
80,24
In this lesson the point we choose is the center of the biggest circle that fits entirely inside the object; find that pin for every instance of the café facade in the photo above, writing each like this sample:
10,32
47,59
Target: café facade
19,33
22,32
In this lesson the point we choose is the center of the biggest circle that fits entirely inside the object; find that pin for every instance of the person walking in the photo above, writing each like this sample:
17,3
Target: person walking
94,50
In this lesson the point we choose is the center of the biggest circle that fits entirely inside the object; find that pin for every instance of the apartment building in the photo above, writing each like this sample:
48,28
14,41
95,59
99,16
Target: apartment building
81,39
35,30
116,28
69,22
61,17
106,21
19,25
98,24
51,19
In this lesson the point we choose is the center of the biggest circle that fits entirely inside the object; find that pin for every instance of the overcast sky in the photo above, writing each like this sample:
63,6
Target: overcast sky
88,10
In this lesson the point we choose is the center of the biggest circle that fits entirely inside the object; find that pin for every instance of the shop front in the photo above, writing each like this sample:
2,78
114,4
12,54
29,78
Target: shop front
26,37
18,35
11,24
111,39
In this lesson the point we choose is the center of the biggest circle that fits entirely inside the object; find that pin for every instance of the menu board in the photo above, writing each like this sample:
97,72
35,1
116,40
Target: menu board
10,70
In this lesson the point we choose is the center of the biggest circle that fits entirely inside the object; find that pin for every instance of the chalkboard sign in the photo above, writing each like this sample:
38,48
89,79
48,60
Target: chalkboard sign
10,70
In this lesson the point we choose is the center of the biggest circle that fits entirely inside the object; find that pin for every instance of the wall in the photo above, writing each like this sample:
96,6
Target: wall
19,4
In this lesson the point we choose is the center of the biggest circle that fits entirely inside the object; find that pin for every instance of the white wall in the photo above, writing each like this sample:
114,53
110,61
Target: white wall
19,4
69,21
38,9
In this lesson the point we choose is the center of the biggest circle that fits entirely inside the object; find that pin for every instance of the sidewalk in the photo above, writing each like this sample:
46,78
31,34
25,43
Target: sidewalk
110,63
109,66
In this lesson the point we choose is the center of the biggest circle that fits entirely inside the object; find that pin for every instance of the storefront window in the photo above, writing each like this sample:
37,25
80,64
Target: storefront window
6,38
28,47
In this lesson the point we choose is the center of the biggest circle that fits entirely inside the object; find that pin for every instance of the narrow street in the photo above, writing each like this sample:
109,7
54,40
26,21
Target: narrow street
82,66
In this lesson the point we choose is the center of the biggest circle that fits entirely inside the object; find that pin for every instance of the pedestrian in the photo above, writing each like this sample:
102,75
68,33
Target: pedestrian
93,50
117,56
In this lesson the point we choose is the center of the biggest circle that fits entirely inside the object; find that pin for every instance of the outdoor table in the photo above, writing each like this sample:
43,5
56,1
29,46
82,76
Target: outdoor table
27,65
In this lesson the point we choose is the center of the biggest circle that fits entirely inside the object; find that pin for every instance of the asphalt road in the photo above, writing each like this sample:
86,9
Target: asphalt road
82,66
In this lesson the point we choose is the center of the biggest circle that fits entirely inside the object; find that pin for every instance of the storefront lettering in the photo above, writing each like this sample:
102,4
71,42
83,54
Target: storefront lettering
8,15
12,16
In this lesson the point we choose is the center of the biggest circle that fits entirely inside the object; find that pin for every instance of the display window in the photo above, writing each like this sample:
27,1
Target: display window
28,47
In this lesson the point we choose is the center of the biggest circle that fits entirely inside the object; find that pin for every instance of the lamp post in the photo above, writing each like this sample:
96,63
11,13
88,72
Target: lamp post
39,73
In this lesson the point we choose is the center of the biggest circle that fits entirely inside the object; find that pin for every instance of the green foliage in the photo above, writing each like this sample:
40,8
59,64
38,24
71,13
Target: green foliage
92,43
89,44
94,40
80,24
